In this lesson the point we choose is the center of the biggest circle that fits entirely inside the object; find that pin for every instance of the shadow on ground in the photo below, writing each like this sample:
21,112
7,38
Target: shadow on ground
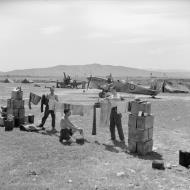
149,156
50,133
114,148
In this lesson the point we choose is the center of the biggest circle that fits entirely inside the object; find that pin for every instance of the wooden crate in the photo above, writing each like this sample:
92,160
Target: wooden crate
144,147
21,113
138,135
17,95
15,104
141,122
14,112
2,119
132,146
143,106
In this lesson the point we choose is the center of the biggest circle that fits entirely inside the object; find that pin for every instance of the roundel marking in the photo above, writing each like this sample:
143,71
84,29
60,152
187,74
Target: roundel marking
132,87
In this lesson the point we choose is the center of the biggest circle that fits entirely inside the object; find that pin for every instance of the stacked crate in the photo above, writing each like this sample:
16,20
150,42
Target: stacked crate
15,107
140,127
3,115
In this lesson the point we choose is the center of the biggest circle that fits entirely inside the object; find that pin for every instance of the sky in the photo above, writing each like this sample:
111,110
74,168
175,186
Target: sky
146,34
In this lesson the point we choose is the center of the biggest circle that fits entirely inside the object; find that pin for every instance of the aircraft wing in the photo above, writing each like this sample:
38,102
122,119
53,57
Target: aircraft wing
134,89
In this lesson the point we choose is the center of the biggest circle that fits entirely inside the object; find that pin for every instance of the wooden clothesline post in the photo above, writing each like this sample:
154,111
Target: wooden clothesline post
96,105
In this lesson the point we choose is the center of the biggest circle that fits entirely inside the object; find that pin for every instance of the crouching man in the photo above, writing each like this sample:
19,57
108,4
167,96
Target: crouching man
68,128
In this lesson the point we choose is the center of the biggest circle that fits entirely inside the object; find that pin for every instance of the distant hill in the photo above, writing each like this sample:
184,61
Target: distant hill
94,69
83,70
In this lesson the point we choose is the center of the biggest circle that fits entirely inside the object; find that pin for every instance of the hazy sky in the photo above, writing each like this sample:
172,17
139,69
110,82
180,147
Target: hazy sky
134,33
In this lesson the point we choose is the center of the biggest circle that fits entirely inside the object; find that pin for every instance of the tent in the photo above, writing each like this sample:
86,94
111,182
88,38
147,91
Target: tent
27,81
7,80
171,88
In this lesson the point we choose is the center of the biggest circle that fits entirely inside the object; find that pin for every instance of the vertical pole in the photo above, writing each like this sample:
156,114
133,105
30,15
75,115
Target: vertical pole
94,120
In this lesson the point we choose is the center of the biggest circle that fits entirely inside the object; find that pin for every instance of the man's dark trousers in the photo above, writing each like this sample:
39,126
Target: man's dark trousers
46,114
115,120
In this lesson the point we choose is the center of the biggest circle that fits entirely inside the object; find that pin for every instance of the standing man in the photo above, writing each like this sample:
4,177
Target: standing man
115,117
50,108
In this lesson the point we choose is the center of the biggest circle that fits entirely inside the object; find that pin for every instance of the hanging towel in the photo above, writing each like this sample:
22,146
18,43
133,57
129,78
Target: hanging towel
105,110
122,107
87,109
35,99
60,107
78,110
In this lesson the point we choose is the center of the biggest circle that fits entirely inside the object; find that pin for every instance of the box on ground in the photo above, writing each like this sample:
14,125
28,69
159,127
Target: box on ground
139,135
184,158
9,125
144,147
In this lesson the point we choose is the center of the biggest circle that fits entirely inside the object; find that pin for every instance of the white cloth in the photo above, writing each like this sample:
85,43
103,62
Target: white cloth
105,110
75,109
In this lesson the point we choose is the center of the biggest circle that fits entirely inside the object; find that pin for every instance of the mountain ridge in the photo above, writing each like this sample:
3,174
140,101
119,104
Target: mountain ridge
94,69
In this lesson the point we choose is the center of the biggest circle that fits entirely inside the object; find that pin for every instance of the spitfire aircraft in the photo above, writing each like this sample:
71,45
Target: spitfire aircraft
121,86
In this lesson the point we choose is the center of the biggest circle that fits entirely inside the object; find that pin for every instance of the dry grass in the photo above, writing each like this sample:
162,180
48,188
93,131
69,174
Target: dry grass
39,161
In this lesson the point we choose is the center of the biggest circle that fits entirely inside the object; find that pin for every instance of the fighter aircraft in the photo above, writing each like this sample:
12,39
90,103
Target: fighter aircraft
121,86
69,83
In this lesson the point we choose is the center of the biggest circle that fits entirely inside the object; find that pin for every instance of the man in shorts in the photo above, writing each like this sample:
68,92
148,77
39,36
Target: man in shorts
68,128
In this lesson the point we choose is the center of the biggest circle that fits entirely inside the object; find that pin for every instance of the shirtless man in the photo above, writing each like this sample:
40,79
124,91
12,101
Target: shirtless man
50,109
68,128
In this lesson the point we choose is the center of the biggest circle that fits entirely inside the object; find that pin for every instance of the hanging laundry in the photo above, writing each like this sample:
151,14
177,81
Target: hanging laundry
75,109
78,110
44,101
35,99
87,109
60,107
122,107
105,110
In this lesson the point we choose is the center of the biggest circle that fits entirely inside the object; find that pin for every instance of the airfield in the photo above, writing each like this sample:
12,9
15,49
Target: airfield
39,161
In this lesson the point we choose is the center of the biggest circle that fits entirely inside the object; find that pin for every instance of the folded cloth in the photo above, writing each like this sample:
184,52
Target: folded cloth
29,128
35,99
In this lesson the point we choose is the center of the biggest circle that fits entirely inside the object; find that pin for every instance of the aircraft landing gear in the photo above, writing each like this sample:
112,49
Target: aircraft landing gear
102,94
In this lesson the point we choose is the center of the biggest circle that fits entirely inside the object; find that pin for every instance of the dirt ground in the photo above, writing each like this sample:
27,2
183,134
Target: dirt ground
39,161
